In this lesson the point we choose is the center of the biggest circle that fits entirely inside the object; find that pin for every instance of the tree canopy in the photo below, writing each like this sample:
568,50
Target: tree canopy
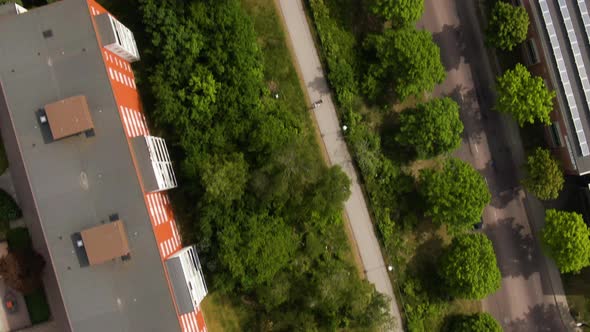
455,195
567,240
508,26
469,267
405,60
478,322
399,12
544,176
263,209
432,128
22,269
524,96
255,248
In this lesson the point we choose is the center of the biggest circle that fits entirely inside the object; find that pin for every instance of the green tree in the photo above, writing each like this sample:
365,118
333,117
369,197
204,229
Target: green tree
455,195
2,2
544,176
406,60
9,210
468,267
479,322
255,248
225,177
524,96
508,26
399,12
432,128
567,240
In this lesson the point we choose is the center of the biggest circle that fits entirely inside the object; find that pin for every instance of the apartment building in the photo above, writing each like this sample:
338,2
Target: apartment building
90,178
557,49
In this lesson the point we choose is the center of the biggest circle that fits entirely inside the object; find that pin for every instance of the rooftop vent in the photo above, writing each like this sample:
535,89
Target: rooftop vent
105,242
47,33
68,117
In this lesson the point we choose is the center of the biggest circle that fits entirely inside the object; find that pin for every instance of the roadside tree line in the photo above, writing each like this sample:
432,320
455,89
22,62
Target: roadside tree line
525,97
398,63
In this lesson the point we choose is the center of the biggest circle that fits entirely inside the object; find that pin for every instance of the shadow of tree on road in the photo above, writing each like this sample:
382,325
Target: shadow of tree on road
452,46
469,113
540,318
500,199
515,250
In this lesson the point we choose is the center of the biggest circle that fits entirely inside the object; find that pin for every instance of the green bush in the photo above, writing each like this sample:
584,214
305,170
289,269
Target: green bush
37,306
338,47
18,239
9,210
479,322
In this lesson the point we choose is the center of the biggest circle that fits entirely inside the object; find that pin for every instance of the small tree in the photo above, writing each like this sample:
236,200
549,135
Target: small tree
399,12
406,60
432,128
455,196
544,176
523,96
469,267
22,269
508,26
9,210
567,240
479,322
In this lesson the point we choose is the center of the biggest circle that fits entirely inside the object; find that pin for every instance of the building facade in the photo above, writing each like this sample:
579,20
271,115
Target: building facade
557,49
90,178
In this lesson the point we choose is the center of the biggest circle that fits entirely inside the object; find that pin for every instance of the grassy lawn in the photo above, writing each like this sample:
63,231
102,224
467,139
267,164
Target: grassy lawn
577,289
278,67
37,306
223,315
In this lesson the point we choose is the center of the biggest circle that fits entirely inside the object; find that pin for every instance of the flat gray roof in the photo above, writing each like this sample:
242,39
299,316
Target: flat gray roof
582,162
79,181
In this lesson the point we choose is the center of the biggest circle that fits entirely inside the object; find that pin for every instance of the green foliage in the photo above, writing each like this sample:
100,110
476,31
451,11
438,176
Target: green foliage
255,248
2,2
37,306
338,47
406,60
479,322
225,177
469,267
524,97
18,239
255,195
455,196
508,26
399,12
544,176
9,210
432,128
567,240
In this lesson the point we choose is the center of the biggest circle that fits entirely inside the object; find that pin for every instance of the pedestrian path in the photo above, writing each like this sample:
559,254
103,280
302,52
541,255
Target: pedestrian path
312,74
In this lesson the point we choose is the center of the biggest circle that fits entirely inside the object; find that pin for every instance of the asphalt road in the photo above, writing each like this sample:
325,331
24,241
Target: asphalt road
311,72
531,294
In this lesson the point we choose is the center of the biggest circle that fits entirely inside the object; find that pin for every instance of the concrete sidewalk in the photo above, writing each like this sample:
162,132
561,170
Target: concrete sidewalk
312,74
